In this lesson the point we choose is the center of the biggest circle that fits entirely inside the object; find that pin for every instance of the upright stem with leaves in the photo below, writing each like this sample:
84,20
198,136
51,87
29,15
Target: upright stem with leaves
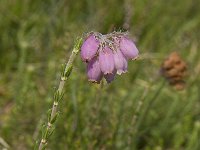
48,128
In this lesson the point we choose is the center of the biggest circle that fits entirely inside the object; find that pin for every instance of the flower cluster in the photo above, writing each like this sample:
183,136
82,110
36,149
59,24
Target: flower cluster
107,55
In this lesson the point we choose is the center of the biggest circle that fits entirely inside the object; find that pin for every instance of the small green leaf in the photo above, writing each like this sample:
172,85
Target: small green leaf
44,147
68,71
56,95
49,114
54,118
61,96
77,45
43,131
36,145
51,131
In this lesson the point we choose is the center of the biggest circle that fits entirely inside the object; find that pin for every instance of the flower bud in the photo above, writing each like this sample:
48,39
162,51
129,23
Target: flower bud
93,71
106,60
128,48
89,48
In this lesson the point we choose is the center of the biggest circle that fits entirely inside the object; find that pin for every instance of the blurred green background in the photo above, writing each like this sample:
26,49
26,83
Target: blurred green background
139,110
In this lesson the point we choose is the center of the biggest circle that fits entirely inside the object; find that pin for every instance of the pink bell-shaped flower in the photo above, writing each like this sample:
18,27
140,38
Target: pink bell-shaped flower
128,48
106,60
89,48
120,62
93,70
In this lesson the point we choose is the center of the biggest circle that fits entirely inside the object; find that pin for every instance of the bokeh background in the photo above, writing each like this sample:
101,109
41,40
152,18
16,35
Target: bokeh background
139,110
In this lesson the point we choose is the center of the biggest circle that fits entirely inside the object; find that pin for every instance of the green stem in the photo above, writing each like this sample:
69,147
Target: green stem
58,95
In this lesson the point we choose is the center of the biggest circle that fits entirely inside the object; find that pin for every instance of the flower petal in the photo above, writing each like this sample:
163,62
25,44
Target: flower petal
125,67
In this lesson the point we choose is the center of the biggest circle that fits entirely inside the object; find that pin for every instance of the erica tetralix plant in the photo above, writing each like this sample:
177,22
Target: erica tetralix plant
107,55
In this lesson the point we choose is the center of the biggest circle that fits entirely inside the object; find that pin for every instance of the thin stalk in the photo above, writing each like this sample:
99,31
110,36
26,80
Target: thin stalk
58,95
137,120
151,101
120,115
128,9
134,119
95,124
4,144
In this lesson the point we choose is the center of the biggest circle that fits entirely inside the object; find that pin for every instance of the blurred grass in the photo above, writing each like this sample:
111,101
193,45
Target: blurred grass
35,39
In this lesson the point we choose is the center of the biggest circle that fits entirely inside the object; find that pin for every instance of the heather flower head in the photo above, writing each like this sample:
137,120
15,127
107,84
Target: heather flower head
107,55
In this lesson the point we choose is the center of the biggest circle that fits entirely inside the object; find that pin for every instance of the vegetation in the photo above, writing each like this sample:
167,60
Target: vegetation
139,110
